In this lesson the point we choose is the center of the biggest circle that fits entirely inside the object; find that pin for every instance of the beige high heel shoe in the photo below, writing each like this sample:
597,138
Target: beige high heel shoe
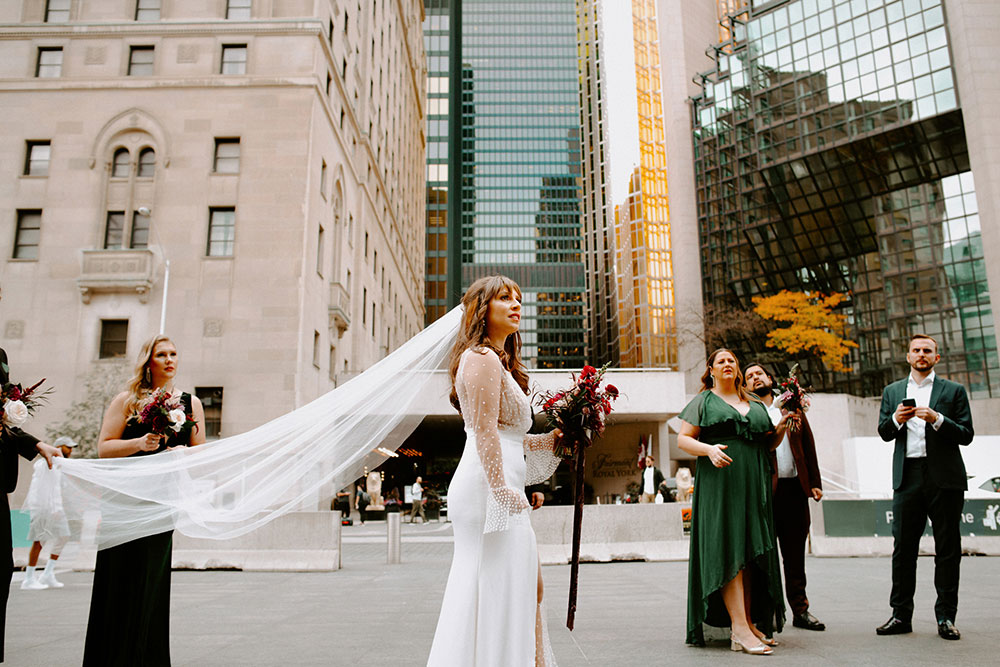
759,649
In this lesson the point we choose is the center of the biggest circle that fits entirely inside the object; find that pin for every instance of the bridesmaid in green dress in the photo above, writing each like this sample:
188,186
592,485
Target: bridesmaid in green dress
129,623
733,548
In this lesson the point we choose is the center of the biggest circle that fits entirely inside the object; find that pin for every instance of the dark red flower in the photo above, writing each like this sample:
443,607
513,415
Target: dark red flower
588,371
611,390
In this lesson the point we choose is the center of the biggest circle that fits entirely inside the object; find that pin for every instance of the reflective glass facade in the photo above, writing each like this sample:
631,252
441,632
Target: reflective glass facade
512,184
436,42
647,312
598,226
831,156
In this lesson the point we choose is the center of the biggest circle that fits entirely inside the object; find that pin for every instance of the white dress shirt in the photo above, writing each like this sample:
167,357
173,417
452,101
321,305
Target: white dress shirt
786,461
647,480
916,436
417,492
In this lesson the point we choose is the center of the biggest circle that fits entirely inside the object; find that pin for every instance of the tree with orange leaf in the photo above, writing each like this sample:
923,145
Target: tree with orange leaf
810,325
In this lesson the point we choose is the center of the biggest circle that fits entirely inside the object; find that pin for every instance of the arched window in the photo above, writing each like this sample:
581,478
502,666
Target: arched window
147,163
119,166
338,203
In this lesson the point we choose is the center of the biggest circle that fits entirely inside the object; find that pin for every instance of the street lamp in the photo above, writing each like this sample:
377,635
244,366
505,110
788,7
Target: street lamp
146,212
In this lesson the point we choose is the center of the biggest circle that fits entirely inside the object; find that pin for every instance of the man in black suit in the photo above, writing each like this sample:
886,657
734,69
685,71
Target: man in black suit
13,441
929,418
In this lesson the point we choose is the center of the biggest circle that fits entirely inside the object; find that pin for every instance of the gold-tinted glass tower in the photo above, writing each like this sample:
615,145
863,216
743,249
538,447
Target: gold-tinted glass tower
647,315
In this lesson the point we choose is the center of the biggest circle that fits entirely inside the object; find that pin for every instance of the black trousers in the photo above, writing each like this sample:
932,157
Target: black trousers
916,500
791,525
7,556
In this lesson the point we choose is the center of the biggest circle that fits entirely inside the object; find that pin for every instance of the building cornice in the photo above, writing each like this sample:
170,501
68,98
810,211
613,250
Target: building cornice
77,30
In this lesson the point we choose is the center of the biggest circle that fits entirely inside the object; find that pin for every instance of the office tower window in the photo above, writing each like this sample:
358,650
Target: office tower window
57,11
211,402
238,9
147,10
227,156
140,61
114,337
114,230
221,232
36,158
234,59
147,163
28,234
49,62
140,231
119,164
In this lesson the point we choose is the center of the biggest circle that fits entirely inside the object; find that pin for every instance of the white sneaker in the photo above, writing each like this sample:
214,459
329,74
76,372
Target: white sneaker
49,580
32,584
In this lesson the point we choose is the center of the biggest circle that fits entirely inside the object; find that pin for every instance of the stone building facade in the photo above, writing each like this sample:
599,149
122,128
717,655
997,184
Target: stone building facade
266,155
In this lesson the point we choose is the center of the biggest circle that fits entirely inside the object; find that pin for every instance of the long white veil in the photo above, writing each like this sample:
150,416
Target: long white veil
232,486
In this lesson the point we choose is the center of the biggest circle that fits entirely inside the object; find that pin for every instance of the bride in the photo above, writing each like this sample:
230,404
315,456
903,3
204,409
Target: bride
491,614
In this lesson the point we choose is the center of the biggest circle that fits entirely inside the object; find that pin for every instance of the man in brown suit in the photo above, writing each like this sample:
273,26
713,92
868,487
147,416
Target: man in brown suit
795,478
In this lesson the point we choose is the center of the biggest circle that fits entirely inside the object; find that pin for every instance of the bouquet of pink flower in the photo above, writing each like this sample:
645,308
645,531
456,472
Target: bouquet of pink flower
17,403
160,412
581,411
793,398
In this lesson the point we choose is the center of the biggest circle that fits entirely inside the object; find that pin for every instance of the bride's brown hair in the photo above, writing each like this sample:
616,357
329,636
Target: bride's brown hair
472,332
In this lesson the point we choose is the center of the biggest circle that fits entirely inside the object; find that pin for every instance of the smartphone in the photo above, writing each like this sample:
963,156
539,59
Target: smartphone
909,402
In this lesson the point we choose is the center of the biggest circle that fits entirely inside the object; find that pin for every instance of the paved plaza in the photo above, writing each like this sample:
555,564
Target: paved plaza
373,614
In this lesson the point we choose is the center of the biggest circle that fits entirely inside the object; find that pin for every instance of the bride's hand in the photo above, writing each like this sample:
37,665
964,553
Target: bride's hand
557,437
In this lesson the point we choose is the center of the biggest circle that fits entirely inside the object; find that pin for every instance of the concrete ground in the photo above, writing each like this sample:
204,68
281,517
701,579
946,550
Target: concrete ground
372,614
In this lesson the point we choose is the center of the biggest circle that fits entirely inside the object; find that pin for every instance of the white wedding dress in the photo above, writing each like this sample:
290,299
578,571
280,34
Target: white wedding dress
490,616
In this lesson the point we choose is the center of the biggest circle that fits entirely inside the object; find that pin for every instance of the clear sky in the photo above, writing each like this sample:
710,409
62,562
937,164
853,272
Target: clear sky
619,88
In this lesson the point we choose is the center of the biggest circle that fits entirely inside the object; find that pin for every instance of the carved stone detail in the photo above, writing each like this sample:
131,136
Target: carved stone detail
212,328
14,329
116,271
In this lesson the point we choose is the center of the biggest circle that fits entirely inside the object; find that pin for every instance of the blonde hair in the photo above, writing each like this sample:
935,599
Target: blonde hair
141,383
472,332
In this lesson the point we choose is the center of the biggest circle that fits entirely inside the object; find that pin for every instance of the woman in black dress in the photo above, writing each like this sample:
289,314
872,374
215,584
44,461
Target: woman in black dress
130,604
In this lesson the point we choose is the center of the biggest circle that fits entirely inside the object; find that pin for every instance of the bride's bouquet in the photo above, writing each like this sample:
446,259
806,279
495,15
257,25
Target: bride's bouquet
581,413
793,398
160,412
17,403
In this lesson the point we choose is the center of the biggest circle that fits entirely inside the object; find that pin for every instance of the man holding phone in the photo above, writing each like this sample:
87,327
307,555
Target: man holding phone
928,417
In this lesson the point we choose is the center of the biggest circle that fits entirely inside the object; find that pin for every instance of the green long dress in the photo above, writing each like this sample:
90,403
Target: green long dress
732,522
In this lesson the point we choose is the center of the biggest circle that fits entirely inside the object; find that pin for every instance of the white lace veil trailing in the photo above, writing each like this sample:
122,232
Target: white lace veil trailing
232,486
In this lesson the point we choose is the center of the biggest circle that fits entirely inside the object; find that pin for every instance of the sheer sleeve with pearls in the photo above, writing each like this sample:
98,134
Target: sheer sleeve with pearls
479,384
539,458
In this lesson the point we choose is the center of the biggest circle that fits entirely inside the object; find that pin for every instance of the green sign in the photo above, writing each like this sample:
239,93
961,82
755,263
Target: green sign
865,518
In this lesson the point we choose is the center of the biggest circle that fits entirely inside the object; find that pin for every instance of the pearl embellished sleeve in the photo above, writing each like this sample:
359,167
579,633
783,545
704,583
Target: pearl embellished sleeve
541,462
479,379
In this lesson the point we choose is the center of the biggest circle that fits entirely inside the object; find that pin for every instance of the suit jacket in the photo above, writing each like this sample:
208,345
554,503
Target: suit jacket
657,478
944,460
13,441
803,447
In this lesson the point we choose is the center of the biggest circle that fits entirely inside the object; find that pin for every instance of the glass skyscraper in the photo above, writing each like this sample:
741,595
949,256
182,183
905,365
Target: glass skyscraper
831,156
504,164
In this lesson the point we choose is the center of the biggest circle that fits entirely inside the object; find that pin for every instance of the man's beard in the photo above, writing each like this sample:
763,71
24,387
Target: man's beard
762,391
